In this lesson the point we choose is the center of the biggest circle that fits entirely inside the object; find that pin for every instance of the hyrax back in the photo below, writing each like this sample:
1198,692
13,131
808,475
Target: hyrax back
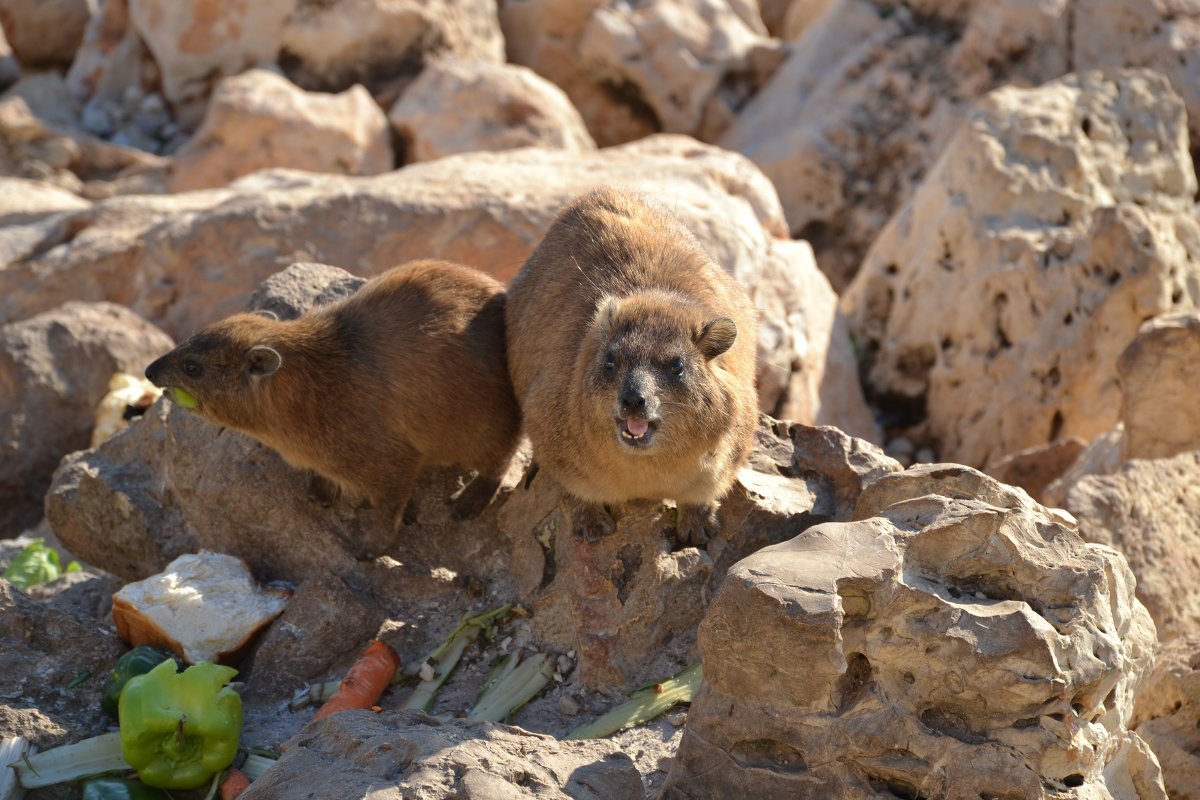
408,371
633,357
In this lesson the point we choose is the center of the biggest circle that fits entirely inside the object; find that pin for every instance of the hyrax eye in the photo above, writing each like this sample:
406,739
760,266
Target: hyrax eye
192,369
610,362
677,367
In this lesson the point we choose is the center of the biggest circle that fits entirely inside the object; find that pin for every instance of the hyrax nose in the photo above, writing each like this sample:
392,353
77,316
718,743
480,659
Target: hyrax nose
151,371
633,402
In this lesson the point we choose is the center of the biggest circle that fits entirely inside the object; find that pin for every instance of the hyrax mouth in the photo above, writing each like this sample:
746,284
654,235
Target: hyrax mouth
636,431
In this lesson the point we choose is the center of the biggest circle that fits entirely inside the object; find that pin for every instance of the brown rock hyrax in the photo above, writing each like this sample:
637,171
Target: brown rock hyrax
633,357
406,372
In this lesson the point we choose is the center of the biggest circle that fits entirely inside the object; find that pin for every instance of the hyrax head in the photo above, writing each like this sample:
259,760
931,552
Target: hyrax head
654,377
217,371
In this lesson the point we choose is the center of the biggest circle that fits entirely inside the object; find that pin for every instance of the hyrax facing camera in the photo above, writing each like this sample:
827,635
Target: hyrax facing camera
632,355
408,371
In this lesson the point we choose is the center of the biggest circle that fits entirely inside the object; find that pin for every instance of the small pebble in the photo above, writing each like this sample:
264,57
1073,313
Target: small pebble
926,455
900,446
676,718
426,672
568,705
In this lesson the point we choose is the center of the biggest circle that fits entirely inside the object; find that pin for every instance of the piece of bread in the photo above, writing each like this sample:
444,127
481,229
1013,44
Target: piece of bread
204,606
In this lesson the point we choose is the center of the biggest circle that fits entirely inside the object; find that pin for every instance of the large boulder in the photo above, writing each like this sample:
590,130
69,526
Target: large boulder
1159,419
1167,716
259,119
1000,296
1150,511
459,106
633,69
955,640
870,95
196,41
330,46
627,605
410,754
188,259
54,368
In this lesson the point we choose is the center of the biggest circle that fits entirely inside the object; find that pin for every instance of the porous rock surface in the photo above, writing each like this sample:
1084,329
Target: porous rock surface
259,119
1159,373
54,368
869,96
193,41
632,70
1149,509
1058,214
188,259
460,106
1167,716
955,640
408,754
329,46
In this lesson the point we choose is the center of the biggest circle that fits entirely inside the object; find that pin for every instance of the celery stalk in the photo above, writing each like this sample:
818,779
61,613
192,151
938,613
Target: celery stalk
515,690
71,762
644,705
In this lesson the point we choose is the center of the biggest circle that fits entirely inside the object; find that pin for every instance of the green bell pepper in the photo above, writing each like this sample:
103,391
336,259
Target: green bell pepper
137,661
180,729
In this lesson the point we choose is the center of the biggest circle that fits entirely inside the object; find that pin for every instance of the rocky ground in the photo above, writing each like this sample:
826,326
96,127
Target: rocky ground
963,567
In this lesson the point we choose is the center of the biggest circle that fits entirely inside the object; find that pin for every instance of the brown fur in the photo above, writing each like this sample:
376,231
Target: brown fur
618,274
408,371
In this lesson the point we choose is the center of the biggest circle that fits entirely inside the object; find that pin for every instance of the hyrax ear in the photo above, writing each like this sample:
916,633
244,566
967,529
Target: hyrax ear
265,313
606,315
262,361
716,337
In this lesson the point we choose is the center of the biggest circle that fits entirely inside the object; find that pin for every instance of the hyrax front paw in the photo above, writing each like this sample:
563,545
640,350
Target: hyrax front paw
590,521
696,525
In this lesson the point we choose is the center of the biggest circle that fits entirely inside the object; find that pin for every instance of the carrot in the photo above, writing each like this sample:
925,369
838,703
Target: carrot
366,680
234,784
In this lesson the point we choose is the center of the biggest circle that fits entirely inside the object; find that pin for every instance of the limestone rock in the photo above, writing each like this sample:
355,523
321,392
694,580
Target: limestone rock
259,120
44,34
458,106
1057,215
1167,716
54,368
869,97
194,41
1150,511
1036,468
23,201
694,63
186,260
1159,372
359,754
43,648
607,599
939,645
544,35
330,46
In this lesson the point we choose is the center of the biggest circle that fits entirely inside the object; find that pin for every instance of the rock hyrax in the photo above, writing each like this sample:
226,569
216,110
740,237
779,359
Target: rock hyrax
632,355
406,372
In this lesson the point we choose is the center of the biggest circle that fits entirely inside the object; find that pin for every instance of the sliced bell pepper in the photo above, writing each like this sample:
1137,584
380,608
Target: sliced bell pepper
178,729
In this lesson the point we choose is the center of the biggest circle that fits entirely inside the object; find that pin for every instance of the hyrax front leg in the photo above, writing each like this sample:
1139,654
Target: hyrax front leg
589,521
696,525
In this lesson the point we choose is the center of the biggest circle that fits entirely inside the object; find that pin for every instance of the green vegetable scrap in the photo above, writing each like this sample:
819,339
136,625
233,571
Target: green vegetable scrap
644,704
36,564
182,398
180,729
137,661
116,789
